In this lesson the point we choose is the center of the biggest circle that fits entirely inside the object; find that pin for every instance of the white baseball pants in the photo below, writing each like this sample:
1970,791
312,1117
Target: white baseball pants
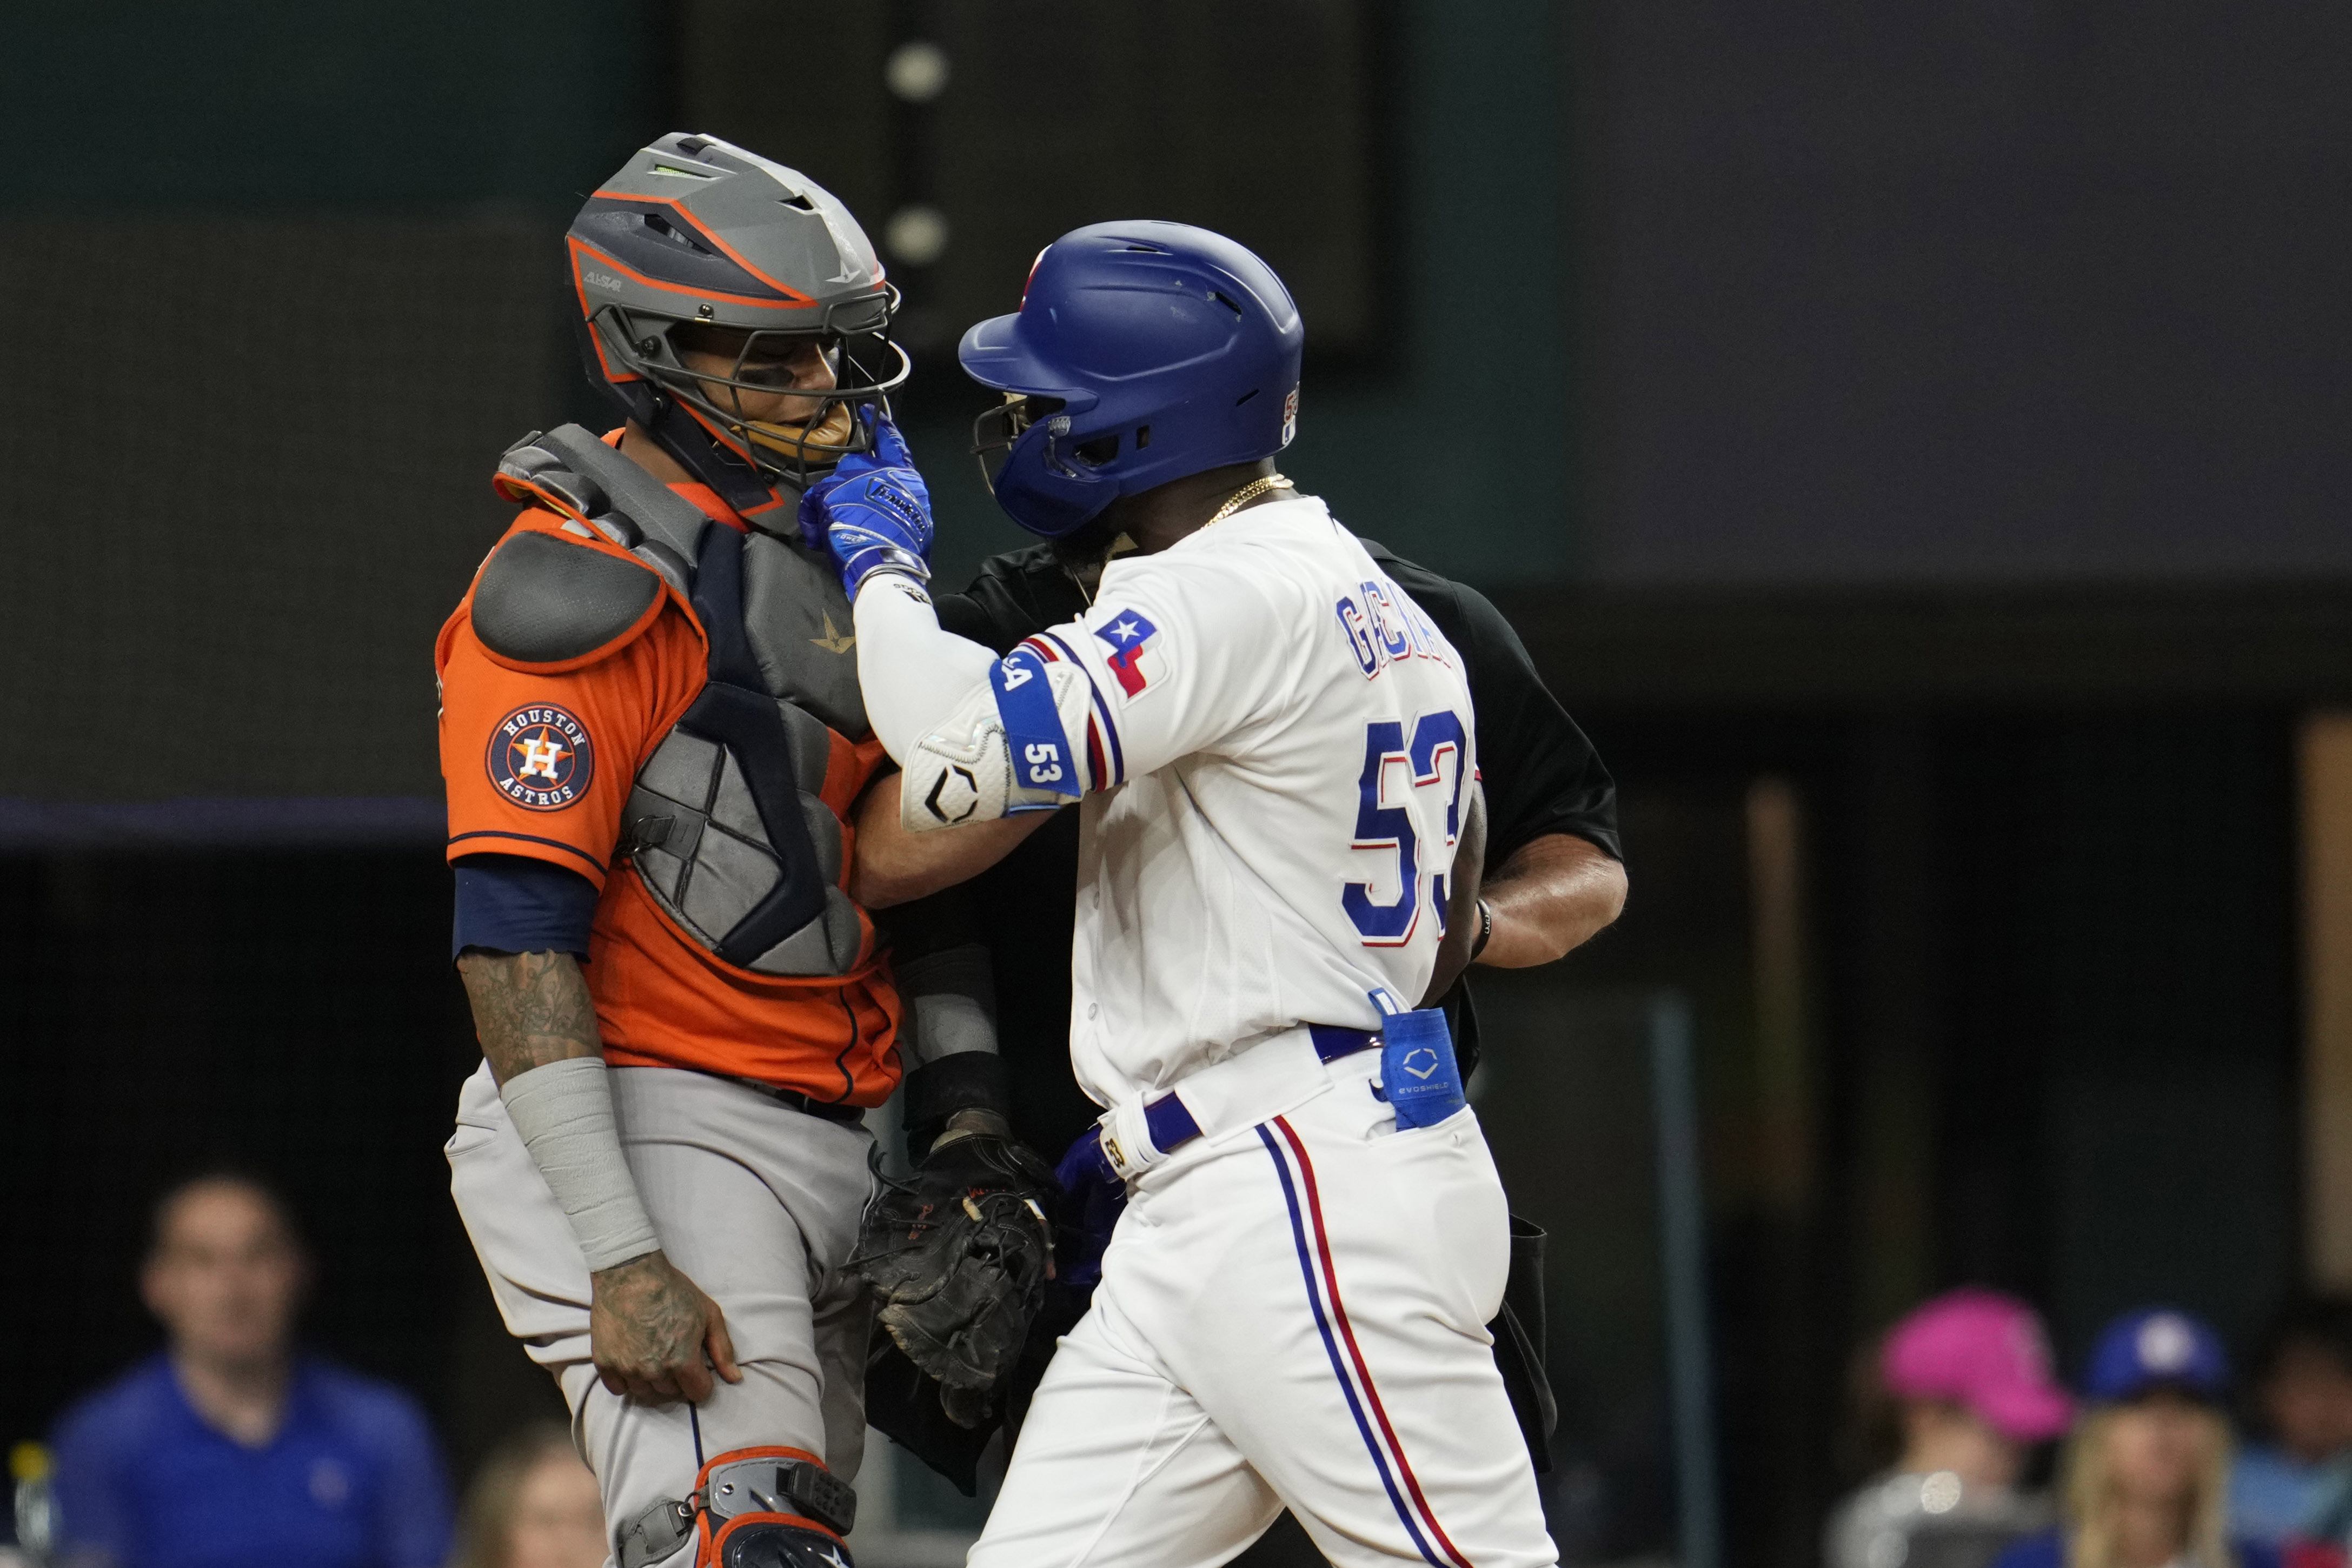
1290,1315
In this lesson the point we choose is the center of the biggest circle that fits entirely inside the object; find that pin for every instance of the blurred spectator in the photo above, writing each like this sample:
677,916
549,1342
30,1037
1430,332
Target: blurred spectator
2145,1475
2298,1484
532,1505
1970,1372
230,1446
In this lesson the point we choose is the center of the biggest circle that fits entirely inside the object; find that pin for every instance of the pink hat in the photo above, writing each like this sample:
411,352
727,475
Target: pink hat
1983,1350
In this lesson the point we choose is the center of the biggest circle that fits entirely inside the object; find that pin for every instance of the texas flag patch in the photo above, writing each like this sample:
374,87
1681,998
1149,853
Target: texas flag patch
1134,657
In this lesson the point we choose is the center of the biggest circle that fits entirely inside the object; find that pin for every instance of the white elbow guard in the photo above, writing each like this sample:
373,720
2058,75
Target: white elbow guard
967,768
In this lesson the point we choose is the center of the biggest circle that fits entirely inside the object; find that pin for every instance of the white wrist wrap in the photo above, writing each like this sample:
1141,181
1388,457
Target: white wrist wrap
951,1001
564,1112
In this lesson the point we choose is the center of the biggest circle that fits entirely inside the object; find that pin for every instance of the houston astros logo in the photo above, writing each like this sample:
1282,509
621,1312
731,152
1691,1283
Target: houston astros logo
541,758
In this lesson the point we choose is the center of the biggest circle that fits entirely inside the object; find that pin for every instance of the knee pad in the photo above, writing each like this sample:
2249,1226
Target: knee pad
750,1508
766,1543
772,1508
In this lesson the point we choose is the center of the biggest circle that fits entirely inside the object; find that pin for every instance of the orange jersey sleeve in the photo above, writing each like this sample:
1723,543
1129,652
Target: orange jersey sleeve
540,763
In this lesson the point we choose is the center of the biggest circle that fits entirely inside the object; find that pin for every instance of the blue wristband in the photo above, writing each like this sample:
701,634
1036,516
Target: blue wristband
1033,728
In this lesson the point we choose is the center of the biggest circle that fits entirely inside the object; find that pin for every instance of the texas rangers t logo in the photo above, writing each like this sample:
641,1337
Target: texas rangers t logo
1129,636
540,757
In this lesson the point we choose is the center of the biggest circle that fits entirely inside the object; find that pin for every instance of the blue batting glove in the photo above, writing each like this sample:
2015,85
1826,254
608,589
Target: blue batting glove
890,444
879,521
873,512
888,449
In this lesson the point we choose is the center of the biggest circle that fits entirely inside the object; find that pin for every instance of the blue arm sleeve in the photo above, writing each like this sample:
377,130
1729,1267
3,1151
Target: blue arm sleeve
509,903
413,1511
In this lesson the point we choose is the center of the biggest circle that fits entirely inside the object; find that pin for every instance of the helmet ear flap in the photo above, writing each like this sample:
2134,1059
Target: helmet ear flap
1047,486
637,397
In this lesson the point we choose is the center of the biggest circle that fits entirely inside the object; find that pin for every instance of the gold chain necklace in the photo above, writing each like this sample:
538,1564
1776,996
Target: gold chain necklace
1240,498
1248,494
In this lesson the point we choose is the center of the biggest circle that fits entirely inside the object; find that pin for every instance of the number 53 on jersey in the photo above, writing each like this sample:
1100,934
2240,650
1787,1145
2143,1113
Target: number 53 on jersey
1408,771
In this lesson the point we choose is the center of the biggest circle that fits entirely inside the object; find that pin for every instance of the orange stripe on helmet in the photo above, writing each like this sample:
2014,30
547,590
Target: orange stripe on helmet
579,248
732,253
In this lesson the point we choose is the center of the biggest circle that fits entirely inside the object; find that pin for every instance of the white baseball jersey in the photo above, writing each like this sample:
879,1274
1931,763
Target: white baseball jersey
1279,745
1274,751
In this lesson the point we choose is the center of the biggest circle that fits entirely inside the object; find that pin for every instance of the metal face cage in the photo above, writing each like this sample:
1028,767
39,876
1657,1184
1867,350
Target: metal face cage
998,430
852,335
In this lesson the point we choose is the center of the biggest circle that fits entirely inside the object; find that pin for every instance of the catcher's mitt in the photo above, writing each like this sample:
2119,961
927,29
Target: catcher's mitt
956,1255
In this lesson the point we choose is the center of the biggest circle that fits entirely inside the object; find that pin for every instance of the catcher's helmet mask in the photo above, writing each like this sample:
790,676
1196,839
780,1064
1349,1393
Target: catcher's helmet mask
696,233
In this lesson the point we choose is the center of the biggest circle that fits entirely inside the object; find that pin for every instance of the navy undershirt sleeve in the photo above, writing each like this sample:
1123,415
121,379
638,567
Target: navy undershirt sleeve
511,903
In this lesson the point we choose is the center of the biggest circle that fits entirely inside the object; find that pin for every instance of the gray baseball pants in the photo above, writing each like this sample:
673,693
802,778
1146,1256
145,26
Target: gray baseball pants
758,1204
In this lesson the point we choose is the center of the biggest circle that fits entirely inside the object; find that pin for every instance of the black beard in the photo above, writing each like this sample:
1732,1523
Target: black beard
1086,546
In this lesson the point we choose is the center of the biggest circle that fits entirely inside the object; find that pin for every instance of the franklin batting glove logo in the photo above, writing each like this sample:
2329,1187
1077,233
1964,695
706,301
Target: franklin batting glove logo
541,758
886,496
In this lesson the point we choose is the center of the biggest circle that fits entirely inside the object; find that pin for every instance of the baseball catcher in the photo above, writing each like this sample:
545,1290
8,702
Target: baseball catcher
653,737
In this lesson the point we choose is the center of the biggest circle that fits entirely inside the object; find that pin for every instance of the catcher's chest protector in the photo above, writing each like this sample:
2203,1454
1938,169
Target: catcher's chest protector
726,824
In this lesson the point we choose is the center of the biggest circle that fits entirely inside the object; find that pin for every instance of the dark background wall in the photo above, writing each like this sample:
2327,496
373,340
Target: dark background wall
2024,291
275,106
1935,418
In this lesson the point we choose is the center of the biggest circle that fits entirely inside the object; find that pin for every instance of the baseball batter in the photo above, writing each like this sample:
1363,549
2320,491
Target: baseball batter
1272,750
653,740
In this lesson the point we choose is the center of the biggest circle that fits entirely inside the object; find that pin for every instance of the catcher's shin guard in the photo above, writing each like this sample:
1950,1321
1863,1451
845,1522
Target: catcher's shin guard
764,1542
772,1508
750,1508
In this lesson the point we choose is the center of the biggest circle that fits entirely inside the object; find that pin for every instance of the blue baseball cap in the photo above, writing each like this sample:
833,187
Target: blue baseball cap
2157,1347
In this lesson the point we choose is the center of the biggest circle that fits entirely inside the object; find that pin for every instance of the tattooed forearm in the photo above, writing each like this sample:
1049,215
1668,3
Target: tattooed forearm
529,1009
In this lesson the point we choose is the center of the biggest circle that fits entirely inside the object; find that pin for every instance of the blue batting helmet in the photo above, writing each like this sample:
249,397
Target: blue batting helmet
1142,351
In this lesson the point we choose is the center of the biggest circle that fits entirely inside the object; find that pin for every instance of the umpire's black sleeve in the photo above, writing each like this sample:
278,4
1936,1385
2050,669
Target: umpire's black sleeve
1541,774
1014,595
